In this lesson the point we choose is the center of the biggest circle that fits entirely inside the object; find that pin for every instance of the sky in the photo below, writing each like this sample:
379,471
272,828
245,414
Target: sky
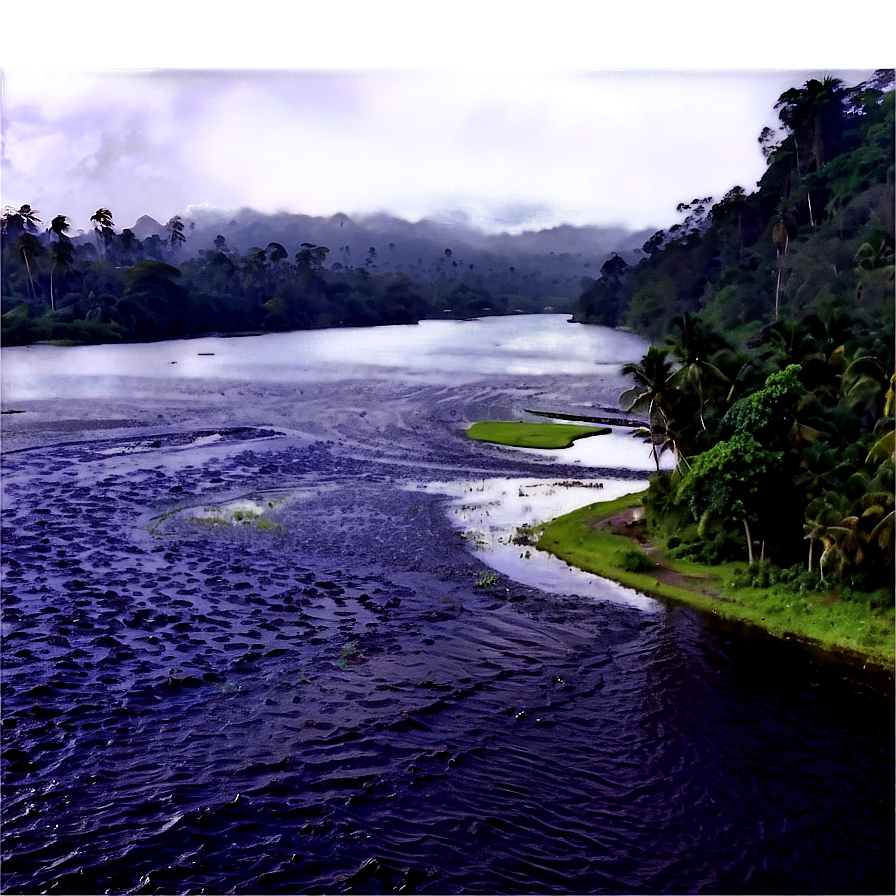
502,144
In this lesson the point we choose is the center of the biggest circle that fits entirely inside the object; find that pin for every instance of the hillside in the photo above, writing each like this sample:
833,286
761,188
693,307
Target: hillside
816,234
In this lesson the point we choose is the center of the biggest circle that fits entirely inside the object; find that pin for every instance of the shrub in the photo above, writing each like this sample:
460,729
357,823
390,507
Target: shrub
722,547
634,560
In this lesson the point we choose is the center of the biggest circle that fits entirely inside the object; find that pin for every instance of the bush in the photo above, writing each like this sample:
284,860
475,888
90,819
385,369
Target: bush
764,574
722,547
634,560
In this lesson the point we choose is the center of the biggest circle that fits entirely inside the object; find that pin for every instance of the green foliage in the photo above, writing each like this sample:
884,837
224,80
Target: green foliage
634,560
793,243
719,546
728,479
127,289
767,414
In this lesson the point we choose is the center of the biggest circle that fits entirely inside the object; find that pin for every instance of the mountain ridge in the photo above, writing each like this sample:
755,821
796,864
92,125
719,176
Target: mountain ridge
565,253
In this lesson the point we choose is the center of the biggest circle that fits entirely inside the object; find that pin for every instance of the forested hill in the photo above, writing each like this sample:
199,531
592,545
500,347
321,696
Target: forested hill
222,271
770,380
816,235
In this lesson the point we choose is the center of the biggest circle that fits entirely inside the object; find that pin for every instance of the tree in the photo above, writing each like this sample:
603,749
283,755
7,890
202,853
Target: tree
783,228
176,236
731,480
59,225
651,392
768,414
102,226
61,255
28,246
695,346
276,252
813,114
831,521
61,252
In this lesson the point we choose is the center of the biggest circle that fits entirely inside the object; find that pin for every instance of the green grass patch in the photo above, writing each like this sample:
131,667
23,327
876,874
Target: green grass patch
844,624
242,513
533,435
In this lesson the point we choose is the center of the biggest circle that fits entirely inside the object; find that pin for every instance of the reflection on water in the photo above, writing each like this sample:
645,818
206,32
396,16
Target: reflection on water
619,450
491,511
334,705
433,351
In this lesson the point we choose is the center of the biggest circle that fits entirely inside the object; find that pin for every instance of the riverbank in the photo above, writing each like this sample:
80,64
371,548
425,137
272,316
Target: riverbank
598,537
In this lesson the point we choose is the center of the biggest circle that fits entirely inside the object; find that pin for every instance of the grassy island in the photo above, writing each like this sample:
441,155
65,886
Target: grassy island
533,435
610,540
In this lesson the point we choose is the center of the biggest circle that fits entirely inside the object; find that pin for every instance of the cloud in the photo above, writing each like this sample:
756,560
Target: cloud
509,150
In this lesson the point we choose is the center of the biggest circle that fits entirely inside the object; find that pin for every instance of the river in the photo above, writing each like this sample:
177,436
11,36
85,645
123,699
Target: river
264,631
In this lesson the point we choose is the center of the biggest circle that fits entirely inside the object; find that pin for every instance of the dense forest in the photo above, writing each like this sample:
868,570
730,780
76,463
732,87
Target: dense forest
231,272
771,371
121,288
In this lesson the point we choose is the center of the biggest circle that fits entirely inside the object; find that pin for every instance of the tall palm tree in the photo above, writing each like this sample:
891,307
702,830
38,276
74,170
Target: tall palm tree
783,227
28,246
651,392
103,224
61,251
695,347
61,254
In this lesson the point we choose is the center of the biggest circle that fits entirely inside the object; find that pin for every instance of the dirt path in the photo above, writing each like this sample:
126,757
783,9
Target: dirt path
629,523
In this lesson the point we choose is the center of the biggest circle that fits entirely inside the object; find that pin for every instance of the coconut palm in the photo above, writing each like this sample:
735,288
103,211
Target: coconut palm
28,246
830,520
61,254
61,251
696,348
102,221
651,392
783,228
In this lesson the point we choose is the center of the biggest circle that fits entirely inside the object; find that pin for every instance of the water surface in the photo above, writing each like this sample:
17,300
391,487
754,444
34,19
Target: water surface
334,703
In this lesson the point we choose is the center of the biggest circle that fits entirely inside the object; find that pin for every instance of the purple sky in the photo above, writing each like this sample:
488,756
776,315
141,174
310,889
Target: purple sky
501,147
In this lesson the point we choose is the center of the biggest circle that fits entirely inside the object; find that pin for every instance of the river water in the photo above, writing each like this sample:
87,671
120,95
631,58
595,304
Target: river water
264,631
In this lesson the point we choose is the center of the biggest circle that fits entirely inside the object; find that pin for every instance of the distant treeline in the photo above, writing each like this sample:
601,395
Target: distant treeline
117,287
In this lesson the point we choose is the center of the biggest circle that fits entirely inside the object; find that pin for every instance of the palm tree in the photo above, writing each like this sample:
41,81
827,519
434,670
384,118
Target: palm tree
830,520
102,220
695,346
61,251
28,245
61,254
651,392
863,383
783,226
876,253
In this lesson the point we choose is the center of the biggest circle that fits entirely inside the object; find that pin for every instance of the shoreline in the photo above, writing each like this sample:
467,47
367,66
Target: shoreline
590,537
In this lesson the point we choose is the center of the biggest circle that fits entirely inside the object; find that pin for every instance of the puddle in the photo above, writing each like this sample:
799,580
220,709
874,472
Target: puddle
489,512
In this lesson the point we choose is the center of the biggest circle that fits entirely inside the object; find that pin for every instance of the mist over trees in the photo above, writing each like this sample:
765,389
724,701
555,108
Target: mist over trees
219,271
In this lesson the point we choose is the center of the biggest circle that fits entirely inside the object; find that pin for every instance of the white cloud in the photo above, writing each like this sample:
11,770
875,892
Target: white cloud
535,149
